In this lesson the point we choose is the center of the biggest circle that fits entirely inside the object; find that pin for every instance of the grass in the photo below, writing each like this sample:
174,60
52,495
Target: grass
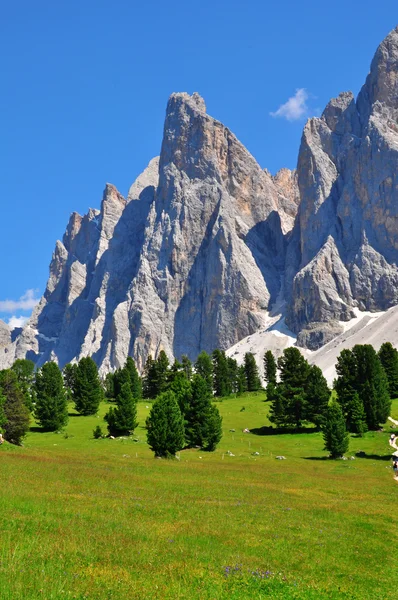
84,518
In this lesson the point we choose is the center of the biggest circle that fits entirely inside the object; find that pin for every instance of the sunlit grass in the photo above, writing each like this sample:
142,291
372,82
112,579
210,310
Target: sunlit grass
103,519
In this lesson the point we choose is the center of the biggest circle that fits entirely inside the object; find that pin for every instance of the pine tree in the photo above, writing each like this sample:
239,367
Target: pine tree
69,373
149,378
135,379
122,420
165,426
277,413
51,407
270,368
241,384
221,382
317,395
3,418
290,394
251,371
373,385
233,374
182,389
87,391
109,386
334,431
202,419
346,384
162,368
356,416
388,356
204,368
120,377
24,370
186,367
15,411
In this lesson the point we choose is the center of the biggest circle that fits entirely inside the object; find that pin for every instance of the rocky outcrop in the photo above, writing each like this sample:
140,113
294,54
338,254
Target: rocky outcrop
345,241
191,260
206,242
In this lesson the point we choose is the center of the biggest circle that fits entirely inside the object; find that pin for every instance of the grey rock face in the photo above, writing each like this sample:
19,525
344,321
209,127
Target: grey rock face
192,259
346,232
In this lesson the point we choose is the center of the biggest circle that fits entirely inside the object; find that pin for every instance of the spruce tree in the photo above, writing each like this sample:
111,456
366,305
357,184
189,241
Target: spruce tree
233,374
388,356
186,367
356,416
373,385
221,382
15,411
241,384
149,378
69,373
270,368
277,413
290,393
109,386
51,407
251,371
120,377
162,368
204,368
122,420
3,418
182,389
317,394
165,426
202,419
24,370
87,392
135,379
346,384
334,431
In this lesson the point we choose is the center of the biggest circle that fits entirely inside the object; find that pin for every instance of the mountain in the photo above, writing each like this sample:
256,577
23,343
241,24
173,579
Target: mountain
208,248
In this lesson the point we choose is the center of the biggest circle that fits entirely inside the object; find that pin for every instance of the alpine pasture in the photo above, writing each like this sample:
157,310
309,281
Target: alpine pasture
101,518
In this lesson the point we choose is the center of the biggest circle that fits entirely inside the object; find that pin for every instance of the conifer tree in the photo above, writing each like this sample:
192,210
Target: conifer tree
388,356
202,419
16,413
109,386
120,377
122,420
149,378
221,382
186,367
135,379
69,373
165,426
233,374
204,368
3,419
87,392
373,385
24,370
251,371
182,389
334,431
270,368
346,384
289,401
241,384
51,407
162,369
356,416
317,394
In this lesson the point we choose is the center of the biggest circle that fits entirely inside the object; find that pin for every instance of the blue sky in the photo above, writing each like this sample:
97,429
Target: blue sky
85,85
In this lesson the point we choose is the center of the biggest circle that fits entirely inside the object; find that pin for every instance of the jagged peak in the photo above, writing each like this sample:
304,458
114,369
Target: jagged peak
382,82
194,101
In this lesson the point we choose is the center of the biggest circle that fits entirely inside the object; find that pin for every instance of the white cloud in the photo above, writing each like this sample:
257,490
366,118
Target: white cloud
14,321
26,302
295,108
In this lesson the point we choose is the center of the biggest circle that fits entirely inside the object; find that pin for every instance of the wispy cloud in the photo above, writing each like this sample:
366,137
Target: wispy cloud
14,321
26,302
295,108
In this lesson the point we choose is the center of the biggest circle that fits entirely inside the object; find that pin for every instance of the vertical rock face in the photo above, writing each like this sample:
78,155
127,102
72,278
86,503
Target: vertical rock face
192,260
345,239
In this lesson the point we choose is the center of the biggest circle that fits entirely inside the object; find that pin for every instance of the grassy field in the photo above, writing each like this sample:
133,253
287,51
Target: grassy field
85,518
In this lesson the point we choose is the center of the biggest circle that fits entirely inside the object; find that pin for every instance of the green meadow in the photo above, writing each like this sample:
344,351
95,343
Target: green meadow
86,518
